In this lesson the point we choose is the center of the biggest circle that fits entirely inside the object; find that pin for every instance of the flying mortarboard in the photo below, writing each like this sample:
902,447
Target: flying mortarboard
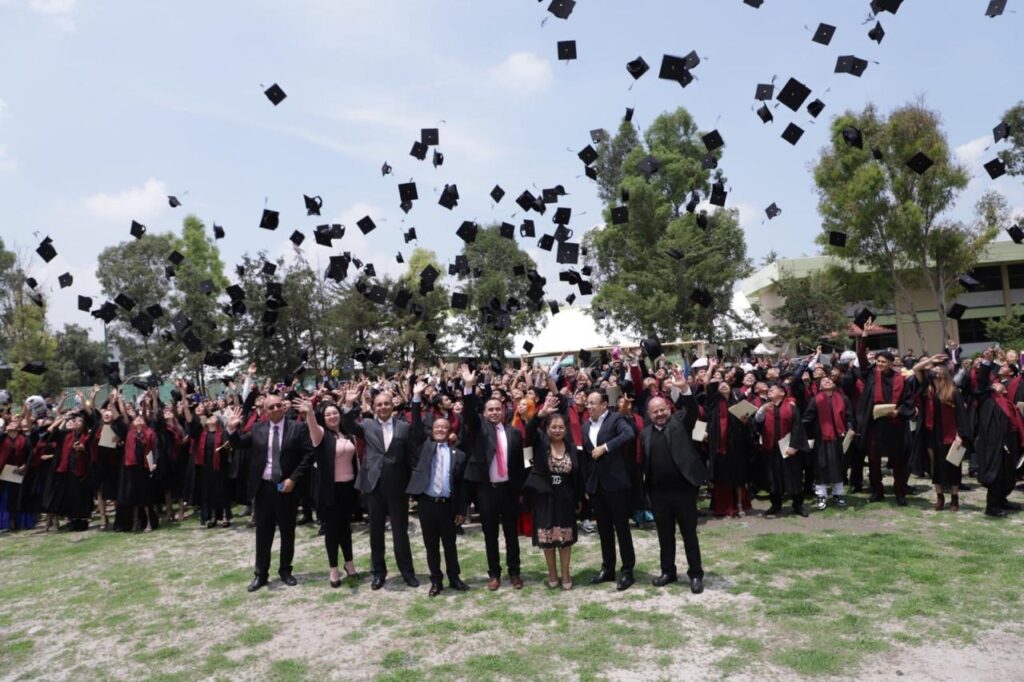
143,323
620,215
566,50
546,242
418,151
155,311
765,114
815,108
407,191
968,282
995,168
920,163
701,297
753,3
297,238
218,231
460,301
637,67
366,225
269,268
863,316
649,166
852,136
430,136
449,197
562,216
562,8
176,257
718,194
712,140
410,235
773,211
402,299
568,253
207,287
36,367
438,159
995,8
497,193
1016,234
587,155
275,94
467,231
675,254
852,65
837,239
527,230
125,301
65,280
891,6
46,250
877,33
674,69
84,303
793,94
956,311
507,230
192,342
269,220
765,91
106,312
1001,131
137,229
824,34
792,133
313,204
628,116
173,201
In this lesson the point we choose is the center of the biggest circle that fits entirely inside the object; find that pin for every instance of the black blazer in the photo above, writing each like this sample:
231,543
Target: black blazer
389,468
610,472
296,451
323,456
419,482
539,479
480,441
680,444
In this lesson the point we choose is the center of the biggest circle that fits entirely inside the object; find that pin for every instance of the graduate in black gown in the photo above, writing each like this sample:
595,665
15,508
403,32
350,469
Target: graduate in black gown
776,419
829,416
999,436
944,421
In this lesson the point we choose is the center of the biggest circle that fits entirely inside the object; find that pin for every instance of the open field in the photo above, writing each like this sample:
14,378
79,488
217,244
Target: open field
872,592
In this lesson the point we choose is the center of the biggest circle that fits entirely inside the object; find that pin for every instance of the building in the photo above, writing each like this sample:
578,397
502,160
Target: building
1000,273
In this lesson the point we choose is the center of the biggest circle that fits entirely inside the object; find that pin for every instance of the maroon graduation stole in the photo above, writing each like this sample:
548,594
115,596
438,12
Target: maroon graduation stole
131,446
1013,417
897,388
199,449
831,414
723,425
785,409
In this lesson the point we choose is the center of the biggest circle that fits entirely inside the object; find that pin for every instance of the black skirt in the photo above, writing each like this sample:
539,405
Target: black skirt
554,515
68,495
134,489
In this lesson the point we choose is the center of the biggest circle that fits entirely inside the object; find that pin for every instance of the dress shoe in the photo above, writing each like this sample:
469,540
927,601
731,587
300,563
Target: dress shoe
411,581
940,502
996,513
378,582
517,581
840,501
435,589
256,584
289,580
625,580
876,497
603,576
1012,506
954,503
772,512
901,500
494,583
696,585
800,511
457,585
665,579
336,583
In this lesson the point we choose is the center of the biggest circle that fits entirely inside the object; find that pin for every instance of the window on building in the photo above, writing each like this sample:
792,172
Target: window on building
973,331
881,341
990,277
1015,273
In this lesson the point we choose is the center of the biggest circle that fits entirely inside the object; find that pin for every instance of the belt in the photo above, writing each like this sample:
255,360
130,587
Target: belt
499,484
439,500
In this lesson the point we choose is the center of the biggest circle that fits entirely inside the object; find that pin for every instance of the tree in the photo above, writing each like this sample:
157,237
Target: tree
641,287
79,359
411,332
812,309
489,331
611,153
12,279
893,216
1008,331
29,342
1014,156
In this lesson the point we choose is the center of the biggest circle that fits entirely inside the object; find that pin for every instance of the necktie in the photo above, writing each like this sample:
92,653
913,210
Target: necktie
500,433
275,454
438,472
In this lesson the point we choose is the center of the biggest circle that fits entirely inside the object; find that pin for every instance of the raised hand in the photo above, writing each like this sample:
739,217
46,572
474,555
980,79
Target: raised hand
468,378
419,387
234,417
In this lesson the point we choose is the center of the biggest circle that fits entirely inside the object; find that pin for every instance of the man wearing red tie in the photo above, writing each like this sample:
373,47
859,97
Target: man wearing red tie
496,468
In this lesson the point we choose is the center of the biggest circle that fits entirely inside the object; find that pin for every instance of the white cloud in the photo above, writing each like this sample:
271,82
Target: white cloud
134,203
970,153
60,12
524,73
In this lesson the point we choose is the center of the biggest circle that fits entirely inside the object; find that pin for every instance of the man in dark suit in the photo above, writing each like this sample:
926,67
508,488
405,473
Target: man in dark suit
673,474
954,352
437,485
280,459
608,485
496,468
382,479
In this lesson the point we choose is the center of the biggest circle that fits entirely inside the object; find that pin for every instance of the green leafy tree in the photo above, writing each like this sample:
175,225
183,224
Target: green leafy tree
1008,331
812,309
79,359
611,153
894,218
411,333
639,286
12,279
29,341
1013,157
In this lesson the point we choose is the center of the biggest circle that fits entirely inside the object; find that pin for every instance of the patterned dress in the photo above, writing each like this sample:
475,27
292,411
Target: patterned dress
554,513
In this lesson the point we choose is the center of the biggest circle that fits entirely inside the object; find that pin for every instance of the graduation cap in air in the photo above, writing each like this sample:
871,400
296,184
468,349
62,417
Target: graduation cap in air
366,225
192,342
637,67
877,33
125,301
549,196
1001,131
956,311
31,282
891,6
176,257
430,136
562,216
995,168
275,94
562,8
427,278
418,151
173,202
36,367
297,238
337,269
718,194
675,69
377,294
701,297
793,94
675,254
155,311
995,8
269,220
36,298
143,323
1016,234
527,346
218,359
438,159
65,280
969,282
84,303
207,287
460,301
46,250
587,155
773,211
467,231
568,253
765,114
566,50
527,230
792,133
713,140
620,215
920,163
507,230
649,166
385,169
815,108
628,116
764,91
409,235
269,268
651,347
837,239
181,322
546,242
449,197
863,316
137,229
497,193
824,34
407,191
702,220
852,65
852,136
402,299
313,204
218,231
106,312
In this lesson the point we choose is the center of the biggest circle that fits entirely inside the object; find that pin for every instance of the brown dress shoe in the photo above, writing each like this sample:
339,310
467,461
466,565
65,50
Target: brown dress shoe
493,584
517,582
940,502
954,504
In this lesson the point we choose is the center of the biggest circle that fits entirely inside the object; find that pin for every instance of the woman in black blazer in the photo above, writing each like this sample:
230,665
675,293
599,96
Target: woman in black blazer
334,454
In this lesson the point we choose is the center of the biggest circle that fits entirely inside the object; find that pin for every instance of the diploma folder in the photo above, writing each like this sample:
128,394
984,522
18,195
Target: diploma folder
884,410
956,452
743,408
9,475
108,438
700,431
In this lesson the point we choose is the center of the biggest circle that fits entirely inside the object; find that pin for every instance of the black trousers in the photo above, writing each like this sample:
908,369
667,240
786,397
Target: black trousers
776,500
499,507
437,522
611,511
856,459
1006,478
396,508
338,522
677,508
272,511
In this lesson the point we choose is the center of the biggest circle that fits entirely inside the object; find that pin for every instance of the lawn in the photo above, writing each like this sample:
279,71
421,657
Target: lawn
866,591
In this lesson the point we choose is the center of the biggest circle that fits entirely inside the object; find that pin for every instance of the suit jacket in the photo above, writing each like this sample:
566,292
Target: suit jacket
680,444
389,468
323,455
611,471
296,451
423,469
481,443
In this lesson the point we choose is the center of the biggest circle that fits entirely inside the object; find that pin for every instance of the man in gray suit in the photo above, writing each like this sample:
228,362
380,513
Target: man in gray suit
382,479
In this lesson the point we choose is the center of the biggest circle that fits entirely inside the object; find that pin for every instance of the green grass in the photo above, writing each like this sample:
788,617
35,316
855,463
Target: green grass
256,634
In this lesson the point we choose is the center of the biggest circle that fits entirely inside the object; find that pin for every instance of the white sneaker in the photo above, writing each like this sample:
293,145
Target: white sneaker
822,502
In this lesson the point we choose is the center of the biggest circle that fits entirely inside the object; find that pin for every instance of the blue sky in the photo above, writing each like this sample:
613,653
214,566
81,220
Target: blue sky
107,107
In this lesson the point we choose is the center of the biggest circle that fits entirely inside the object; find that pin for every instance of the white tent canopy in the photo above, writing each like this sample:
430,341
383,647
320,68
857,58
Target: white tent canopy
571,329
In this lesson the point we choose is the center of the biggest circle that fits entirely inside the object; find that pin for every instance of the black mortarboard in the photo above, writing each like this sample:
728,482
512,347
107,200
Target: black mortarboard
34,367
765,114
31,282
764,91
863,316
377,294
891,6
366,225
218,231
920,163
385,169
753,3
176,257
649,166
588,155
773,211
995,8
877,33
270,316
568,252
546,242
553,305
125,301
824,34
837,239
566,50
313,204
430,136
406,206
36,297
692,60
851,65
526,200
269,220
549,196
402,299
438,159
701,297
84,303
427,278
793,94
275,94
968,282
46,250
570,299
651,346
637,67
852,136
173,201
562,8
519,270
1001,131
792,133
407,191
460,301
562,216
628,115
467,231
155,311
410,234
207,287
620,215
527,230
497,193
590,172
527,346
956,311
718,194
137,229
702,220
709,161
449,197
65,280
713,140
192,342
1016,234
815,108
419,150
586,288
674,69
143,323
297,238
995,168
106,312
398,257
181,322
675,254
876,153
218,358
507,230
269,268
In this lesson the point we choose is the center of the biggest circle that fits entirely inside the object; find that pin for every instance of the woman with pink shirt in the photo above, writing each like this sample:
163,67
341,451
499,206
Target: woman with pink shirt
334,452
